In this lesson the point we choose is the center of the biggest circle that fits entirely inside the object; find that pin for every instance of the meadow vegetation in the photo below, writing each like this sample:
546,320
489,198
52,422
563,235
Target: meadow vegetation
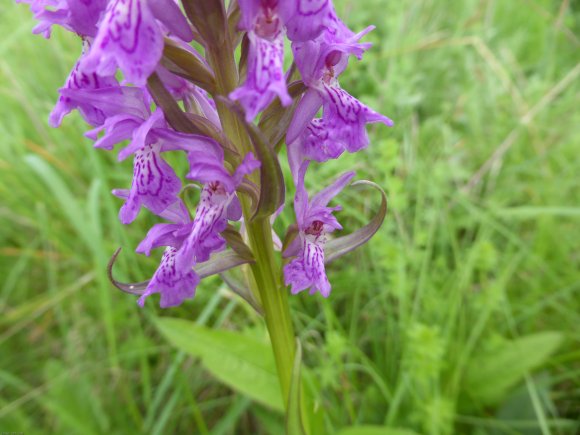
462,315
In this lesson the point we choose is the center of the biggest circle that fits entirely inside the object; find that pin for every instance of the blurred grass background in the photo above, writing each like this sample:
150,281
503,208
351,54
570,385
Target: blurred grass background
461,316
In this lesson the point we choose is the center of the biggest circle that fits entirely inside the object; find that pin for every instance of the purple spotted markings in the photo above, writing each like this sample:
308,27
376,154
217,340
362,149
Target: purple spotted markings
174,285
130,37
122,74
315,220
155,185
265,77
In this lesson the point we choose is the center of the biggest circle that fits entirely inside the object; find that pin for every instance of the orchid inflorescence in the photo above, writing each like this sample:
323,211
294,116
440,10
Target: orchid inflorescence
207,81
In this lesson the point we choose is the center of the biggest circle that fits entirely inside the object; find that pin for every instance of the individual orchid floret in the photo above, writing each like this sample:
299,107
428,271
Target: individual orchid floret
217,205
131,38
191,242
78,16
174,285
344,118
265,77
315,220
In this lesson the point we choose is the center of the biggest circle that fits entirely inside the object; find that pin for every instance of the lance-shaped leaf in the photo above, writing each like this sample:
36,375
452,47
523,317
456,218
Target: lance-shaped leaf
234,15
209,18
188,122
185,64
218,263
294,423
272,189
235,241
291,234
243,63
250,189
343,245
173,113
276,118
207,128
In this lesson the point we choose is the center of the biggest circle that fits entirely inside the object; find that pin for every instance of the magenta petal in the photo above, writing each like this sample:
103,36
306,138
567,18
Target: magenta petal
347,117
78,80
249,9
209,221
160,235
307,270
174,285
141,136
265,79
117,129
169,14
155,185
306,110
307,19
322,198
129,38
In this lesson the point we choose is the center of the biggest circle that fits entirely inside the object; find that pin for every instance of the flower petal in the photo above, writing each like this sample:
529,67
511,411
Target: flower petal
129,38
174,285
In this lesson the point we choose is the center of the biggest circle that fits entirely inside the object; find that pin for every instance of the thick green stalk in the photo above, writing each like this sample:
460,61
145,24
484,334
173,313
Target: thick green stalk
266,269
274,301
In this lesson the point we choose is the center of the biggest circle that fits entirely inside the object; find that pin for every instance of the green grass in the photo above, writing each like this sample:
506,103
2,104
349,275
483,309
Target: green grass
461,316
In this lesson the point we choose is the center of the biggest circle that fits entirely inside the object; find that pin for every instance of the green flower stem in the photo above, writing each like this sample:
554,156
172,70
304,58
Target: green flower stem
266,269
274,299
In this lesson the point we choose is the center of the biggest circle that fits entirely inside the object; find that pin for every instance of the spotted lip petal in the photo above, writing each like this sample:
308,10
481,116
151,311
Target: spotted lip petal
173,284
155,184
315,220
265,63
265,78
130,38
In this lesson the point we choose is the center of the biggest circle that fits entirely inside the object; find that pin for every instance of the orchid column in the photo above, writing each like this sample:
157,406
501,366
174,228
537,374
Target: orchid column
209,85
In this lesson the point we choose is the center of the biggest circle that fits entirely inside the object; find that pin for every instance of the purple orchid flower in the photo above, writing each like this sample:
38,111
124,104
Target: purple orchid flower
131,38
315,221
265,22
343,123
265,79
217,205
191,242
78,16
173,284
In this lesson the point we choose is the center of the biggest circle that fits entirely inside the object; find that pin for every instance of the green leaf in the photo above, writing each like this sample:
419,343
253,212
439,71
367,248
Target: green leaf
272,189
294,423
183,63
491,374
209,18
276,118
343,245
375,430
241,362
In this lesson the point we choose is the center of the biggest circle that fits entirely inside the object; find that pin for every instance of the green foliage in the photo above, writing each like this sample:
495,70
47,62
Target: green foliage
492,372
439,325
241,362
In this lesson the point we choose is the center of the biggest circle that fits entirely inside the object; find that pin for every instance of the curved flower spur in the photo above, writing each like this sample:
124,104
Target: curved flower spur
201,103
